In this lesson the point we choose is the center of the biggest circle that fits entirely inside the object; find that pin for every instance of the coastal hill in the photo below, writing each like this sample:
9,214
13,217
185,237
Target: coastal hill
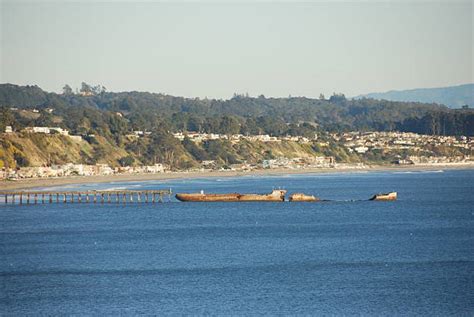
453,97
140,128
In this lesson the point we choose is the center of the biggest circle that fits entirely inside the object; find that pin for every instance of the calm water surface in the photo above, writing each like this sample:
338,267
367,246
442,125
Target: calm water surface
346,256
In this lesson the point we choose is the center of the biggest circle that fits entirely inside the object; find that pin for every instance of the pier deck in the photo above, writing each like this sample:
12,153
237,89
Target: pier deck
96,196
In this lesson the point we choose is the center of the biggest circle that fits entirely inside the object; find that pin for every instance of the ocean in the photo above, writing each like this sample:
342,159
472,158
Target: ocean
344,256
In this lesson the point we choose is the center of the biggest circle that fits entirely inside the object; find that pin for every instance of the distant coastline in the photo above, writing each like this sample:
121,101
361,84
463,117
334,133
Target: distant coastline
25,184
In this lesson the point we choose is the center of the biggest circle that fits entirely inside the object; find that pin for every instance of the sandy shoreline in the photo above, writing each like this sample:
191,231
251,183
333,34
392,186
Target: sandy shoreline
49,182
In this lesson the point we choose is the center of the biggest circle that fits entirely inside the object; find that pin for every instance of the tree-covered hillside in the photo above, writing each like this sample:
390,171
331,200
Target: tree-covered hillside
111,117
276,116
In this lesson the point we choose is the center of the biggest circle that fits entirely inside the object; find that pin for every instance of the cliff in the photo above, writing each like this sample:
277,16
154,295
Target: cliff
35,149
18,150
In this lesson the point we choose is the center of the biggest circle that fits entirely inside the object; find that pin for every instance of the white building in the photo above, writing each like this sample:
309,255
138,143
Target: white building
157,168
46,130
103,169
361,149
37,130
179,136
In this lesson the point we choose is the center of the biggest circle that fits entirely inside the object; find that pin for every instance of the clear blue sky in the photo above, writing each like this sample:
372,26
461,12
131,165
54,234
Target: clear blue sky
214,50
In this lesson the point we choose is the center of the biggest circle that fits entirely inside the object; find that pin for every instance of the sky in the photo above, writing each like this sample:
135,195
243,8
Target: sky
214,50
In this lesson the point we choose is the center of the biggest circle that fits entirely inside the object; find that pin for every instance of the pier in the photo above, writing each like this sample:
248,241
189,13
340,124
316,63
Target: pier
97,196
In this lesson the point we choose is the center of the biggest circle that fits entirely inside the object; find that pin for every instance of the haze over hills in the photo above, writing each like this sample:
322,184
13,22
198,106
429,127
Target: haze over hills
453,96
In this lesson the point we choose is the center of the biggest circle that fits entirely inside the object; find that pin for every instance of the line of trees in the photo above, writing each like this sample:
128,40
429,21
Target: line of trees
86,89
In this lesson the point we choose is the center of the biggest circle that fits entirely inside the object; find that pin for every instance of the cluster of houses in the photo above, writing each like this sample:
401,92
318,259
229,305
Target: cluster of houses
46,130
71,169
299,162
138,134
361,143
355,142
200,137
277,163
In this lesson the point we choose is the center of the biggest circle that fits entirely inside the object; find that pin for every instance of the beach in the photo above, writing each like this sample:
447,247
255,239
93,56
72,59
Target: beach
24,184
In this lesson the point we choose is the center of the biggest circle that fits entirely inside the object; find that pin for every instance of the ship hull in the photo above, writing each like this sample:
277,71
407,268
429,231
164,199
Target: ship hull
207,197
275,196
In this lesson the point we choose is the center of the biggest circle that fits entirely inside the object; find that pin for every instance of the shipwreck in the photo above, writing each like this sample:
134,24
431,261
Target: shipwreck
277,195
385,197
303,197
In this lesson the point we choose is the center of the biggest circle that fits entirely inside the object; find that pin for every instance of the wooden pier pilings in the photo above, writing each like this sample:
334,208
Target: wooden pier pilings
103,196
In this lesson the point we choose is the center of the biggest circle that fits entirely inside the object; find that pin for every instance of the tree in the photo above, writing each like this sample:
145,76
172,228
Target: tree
86,89
337,98
97,90
6,118
321,97
229,125
197,152
45,119
67,90
195,124
126,161
164,148
20,159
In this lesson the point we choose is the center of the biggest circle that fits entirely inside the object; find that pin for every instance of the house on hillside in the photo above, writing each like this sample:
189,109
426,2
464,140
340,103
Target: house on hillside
44,130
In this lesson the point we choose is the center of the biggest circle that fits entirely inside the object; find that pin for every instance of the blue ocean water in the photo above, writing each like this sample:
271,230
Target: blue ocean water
342,257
